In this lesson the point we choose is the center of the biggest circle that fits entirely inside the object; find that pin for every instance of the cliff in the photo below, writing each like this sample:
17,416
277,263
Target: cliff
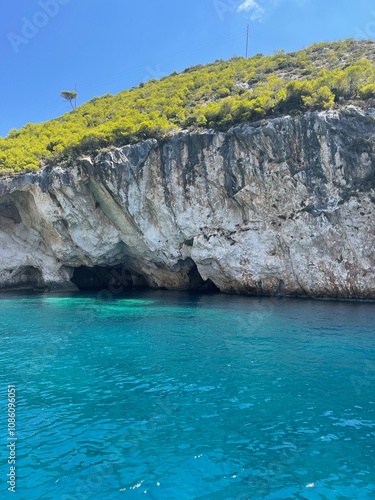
284,206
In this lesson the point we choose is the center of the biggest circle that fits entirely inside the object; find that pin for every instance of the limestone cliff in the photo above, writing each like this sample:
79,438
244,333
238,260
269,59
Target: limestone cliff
285,206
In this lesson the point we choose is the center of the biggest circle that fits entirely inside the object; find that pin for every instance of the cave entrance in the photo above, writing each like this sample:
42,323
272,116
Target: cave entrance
114,278
118,278
198,284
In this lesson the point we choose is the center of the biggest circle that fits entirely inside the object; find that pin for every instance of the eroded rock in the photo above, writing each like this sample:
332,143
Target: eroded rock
284,206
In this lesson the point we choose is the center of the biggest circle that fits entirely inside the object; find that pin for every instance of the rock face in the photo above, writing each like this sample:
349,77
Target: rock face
285,206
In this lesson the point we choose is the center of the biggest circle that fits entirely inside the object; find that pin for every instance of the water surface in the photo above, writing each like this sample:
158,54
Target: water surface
166,395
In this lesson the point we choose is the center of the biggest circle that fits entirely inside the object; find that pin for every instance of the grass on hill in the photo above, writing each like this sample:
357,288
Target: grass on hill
217,95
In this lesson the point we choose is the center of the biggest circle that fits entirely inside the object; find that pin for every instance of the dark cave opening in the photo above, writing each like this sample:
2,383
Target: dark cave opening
118,278
198,284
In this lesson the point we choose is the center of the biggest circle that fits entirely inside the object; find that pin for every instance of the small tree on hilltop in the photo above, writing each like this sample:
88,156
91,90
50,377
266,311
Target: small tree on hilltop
70,96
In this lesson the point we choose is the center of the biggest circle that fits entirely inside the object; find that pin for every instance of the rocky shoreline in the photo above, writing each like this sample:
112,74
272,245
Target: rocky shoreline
279,207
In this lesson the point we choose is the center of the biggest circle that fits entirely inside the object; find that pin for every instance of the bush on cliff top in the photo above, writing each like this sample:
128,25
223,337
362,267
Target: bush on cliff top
217,95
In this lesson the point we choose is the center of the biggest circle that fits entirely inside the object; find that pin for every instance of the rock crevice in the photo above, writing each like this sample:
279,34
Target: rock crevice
284,206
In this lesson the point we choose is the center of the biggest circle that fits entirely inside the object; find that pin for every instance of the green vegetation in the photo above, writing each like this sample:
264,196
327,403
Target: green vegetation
217,96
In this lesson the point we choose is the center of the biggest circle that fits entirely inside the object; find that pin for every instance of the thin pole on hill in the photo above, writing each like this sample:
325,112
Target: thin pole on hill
75,100
247,41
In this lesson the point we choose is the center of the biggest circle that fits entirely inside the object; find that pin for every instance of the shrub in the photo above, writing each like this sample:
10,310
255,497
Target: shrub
217,95
321,98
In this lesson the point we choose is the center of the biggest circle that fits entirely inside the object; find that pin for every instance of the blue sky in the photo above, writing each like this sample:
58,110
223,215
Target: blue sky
109,45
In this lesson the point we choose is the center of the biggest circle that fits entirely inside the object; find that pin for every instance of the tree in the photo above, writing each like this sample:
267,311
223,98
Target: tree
70,96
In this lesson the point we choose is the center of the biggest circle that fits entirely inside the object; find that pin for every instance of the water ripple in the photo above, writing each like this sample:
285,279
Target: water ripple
175,396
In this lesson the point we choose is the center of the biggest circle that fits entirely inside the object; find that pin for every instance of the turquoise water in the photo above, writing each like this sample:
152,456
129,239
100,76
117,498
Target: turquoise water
177,396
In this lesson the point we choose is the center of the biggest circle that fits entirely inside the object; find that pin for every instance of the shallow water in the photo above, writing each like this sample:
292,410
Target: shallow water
166,395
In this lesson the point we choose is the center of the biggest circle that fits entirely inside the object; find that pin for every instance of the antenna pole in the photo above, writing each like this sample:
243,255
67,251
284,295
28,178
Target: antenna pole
247,41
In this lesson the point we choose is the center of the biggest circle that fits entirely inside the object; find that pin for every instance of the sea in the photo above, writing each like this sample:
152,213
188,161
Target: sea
176,395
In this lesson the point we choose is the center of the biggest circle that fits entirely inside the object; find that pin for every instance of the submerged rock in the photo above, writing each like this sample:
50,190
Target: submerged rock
284,206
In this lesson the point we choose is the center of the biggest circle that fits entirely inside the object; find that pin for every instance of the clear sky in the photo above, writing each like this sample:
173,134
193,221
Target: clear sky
110,45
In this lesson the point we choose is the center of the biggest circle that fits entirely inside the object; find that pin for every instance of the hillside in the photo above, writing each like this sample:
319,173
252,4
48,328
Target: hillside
216,96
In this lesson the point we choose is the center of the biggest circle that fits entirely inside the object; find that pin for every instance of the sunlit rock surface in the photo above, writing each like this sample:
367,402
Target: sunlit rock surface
284,206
